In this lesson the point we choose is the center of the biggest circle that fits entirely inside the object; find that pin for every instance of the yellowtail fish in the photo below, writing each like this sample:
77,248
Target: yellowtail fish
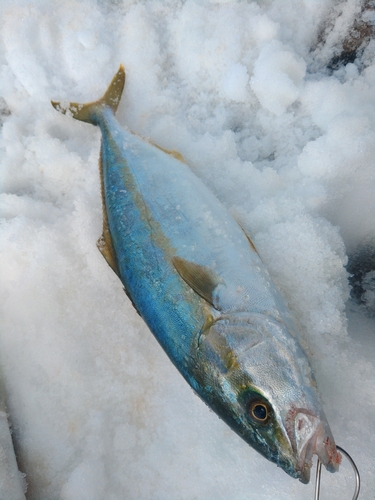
198,282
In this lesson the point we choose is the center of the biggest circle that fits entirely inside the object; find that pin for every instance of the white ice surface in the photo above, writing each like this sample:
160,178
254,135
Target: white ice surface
97,410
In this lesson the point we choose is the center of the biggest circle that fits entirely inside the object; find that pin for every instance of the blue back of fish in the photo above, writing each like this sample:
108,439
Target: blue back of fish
158,209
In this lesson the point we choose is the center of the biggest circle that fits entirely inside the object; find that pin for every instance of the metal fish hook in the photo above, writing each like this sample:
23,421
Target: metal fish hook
319,473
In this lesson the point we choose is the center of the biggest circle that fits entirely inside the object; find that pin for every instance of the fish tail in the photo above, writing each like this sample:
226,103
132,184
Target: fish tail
90,112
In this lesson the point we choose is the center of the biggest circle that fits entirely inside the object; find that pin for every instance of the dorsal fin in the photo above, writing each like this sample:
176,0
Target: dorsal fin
104,243
202,279
105,246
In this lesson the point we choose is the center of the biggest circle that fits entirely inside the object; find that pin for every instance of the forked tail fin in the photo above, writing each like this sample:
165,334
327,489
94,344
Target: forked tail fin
89,112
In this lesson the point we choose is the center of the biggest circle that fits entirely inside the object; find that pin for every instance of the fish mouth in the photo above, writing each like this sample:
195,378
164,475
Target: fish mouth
312,436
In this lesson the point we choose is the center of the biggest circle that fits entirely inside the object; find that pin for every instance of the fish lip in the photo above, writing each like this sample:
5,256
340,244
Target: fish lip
326,450
312,436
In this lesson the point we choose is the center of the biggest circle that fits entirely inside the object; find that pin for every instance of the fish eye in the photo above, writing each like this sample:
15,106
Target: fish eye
259,411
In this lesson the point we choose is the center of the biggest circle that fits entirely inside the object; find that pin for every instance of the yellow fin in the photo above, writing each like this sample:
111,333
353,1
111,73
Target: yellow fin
171,152
248,239
209,321
251,243
105,246
104,243
201,279
88,112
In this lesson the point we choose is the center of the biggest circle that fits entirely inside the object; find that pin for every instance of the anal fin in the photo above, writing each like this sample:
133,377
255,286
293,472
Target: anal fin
171,152
248,239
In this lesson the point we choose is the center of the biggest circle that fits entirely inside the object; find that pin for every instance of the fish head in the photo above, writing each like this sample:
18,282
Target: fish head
254,374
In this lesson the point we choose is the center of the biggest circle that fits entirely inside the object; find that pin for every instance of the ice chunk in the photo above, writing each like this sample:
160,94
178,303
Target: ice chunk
278,74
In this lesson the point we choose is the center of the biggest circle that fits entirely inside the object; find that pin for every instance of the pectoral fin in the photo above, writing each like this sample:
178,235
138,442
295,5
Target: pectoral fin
201,279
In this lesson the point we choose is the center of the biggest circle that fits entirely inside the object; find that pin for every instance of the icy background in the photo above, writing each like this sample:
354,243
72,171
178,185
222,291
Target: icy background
242,90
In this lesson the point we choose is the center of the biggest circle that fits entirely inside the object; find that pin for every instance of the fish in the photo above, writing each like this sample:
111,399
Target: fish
195,277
